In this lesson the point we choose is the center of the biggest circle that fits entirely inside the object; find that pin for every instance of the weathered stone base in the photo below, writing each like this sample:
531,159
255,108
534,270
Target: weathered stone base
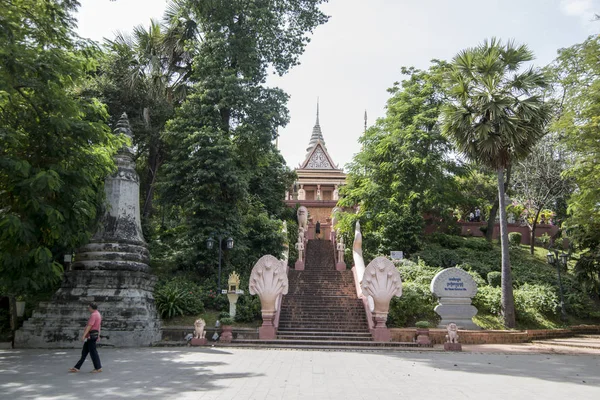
267,332
199,342
124,299
299,266
452,347
423,337
381,335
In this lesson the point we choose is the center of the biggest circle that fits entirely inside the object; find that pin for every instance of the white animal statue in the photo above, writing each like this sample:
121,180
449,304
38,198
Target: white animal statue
199,332
452,336
302,214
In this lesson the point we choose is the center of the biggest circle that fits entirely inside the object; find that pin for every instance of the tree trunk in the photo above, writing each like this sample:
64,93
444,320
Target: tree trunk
508,302
489,234
12,306
532,229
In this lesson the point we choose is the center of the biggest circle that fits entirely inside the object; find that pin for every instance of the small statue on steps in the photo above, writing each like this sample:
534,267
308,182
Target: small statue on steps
452,336
199,329
452,343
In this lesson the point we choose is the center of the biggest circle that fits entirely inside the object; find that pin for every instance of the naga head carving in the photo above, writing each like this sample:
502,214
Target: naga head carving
268,280
381,282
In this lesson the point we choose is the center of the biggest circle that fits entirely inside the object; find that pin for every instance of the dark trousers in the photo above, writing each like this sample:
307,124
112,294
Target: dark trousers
89,346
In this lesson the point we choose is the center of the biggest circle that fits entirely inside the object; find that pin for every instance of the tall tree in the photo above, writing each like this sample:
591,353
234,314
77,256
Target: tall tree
539,183
222,161
402,174
495,117
56,146
145,75
577,87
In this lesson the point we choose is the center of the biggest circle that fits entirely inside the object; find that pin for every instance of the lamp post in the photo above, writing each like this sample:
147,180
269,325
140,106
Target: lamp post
559,261
210,243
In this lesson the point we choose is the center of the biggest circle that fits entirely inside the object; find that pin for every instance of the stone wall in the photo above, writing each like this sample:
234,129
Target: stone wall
472,229
438,336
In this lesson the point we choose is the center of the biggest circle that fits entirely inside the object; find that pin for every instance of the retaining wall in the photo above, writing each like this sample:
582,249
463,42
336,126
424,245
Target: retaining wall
438,336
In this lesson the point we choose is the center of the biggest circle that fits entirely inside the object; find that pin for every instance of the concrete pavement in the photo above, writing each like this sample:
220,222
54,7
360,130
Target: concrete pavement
234,373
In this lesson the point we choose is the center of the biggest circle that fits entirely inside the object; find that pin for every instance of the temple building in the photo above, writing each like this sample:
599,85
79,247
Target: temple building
318,184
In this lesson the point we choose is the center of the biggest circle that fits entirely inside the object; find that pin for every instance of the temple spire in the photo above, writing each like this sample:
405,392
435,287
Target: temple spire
317,135
317,111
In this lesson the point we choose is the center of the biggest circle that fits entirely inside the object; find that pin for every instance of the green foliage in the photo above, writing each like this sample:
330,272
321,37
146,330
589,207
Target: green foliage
576,72
56,146
223,174
417,301
224,314
514,238
422,324
248,309
227,321
494,279
400,177
178,297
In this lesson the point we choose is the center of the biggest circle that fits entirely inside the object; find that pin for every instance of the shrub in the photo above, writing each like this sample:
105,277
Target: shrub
494,279
422,324
544,240
178,297
215,301
416,304
536,299
487,300
227,321
514,239
447,241
248,309
170,301
224,314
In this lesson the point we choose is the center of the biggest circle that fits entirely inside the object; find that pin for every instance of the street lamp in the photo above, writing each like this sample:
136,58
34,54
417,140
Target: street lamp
210,243
559,261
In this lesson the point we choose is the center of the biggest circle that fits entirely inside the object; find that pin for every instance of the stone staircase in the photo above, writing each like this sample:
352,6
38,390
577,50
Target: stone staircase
321,309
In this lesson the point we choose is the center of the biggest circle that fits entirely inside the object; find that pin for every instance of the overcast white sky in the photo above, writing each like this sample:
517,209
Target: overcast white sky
357,55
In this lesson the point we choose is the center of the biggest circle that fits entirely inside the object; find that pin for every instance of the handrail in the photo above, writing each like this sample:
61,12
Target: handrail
279,304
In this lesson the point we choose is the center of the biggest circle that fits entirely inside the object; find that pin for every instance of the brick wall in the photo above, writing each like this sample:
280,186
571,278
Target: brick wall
438,336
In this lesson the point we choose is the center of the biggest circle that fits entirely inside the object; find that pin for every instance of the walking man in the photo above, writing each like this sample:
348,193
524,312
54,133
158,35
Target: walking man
89,338
477,214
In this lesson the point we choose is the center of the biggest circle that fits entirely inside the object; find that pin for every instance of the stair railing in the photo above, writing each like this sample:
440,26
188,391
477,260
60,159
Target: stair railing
279,303
358,271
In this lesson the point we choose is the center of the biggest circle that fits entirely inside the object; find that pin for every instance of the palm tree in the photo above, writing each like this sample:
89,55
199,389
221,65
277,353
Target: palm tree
495,116
160,71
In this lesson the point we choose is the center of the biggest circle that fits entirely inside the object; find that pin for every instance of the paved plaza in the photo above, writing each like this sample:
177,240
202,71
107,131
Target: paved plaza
232,373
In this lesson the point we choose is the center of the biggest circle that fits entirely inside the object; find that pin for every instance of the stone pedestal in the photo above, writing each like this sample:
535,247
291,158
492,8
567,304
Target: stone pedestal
267,331
423,337
233,298
380,331
341,266
112,271
455,288
452,346
299,266
199,342
227,334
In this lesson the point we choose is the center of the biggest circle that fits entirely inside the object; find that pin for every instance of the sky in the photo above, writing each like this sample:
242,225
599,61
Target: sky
353,58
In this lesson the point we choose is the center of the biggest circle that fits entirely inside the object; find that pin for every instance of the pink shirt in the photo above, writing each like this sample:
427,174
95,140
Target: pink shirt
94,321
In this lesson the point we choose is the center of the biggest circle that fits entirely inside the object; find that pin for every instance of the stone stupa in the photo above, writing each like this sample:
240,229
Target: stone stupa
112,270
